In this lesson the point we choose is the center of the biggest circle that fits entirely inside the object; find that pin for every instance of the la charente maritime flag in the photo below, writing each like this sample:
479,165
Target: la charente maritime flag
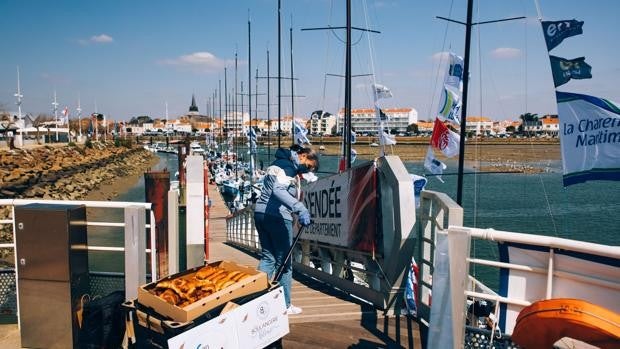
445,140
589,138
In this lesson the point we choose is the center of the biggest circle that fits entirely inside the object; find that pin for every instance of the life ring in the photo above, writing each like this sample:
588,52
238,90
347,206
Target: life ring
543,323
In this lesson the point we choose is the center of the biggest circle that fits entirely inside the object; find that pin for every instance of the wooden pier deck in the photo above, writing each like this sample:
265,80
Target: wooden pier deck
330,317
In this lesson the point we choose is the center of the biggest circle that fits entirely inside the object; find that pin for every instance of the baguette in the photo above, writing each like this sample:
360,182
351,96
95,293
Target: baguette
205,272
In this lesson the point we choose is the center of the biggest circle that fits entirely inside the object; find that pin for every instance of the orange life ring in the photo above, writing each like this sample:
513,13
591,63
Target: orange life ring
543,323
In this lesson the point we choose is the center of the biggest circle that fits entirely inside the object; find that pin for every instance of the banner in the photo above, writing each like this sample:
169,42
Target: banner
454,74
445,140
589,138
565,69
450,106
435,166
556,31
344,209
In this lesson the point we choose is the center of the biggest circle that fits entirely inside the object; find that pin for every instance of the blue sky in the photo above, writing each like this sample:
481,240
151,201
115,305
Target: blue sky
133,56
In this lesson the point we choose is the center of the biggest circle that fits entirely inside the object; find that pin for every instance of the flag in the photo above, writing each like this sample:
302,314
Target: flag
411,288
450,106
382,115
388,139
300,133
556,31
444,139
419,183
353,155
353,137
588,138
454,74
565,69
65,112
252,139
381,91
435,166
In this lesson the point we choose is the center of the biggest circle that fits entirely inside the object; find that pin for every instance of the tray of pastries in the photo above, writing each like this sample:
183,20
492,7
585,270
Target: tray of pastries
189,294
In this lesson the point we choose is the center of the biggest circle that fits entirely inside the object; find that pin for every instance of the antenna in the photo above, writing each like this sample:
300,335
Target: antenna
166,112
55,105
79,110
19,97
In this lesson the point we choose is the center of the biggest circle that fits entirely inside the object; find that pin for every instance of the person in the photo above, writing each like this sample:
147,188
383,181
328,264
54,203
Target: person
278,200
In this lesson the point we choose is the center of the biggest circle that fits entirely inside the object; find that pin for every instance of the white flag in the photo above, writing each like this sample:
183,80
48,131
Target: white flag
300,133
445,140
454,74
381,91
388,139
588,138
435,166
450,106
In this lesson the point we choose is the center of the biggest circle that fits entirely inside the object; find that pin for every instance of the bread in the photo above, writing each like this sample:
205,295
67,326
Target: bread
170,297
206,281
205,272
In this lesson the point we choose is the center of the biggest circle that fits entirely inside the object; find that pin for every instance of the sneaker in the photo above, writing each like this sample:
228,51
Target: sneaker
293,310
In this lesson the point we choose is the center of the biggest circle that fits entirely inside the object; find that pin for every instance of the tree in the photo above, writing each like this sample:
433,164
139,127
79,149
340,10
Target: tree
528,119
413,128
510,129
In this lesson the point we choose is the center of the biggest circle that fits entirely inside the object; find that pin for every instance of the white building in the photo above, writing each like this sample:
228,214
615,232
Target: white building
321,122
365,120
479,125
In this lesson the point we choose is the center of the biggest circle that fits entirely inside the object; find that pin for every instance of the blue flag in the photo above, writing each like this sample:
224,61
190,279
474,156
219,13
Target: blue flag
555,32
565,69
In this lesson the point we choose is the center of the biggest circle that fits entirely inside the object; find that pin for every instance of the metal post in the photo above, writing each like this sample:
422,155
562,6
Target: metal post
135,247
173,232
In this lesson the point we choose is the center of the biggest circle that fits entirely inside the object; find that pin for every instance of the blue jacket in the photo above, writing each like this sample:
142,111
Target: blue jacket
278,197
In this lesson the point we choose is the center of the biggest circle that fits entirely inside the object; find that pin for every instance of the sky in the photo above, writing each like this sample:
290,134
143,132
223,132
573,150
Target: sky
130,58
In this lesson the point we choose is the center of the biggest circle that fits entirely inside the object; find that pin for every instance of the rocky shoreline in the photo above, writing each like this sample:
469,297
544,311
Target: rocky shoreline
67,173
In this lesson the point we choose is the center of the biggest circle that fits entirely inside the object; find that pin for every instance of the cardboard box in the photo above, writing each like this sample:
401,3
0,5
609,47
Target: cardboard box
255,283
254,324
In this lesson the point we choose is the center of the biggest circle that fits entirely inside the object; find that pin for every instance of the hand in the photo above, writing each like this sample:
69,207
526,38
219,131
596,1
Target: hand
304,218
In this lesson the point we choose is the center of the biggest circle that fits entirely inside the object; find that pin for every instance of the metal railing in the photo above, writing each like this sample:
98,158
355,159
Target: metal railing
544,266
436,213
135,230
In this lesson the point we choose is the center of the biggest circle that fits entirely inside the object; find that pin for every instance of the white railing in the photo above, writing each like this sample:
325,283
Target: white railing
135,230
602,286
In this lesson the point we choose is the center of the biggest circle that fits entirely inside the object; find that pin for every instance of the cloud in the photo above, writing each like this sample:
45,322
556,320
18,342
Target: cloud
506,53
97,39
440,56
199,61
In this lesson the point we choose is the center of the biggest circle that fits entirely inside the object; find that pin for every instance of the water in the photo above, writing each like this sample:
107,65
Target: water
526,203
114,237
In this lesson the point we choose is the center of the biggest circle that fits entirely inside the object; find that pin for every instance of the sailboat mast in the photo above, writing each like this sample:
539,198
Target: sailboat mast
347,92
220,102
226,109
292,89
249,71
279,76
268,111
468,25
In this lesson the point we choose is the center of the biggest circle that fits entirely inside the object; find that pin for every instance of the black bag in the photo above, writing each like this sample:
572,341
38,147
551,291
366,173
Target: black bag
103,322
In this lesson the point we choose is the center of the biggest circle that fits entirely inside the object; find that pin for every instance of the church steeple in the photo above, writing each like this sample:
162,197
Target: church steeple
193,107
